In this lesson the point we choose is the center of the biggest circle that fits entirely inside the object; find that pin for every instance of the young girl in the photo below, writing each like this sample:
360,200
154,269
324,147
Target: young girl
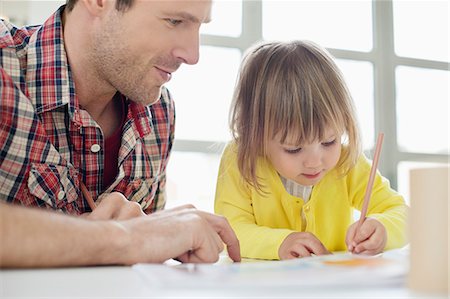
290,180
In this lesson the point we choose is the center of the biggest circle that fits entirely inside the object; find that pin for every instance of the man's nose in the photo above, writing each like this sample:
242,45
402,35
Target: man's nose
188,49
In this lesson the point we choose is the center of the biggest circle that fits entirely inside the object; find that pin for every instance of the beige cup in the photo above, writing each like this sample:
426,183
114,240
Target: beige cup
429,229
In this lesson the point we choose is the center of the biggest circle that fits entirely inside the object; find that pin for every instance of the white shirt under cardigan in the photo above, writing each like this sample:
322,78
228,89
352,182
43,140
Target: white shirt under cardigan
300,191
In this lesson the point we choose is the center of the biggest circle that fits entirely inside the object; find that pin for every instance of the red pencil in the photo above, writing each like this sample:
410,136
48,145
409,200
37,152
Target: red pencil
373,171
88,196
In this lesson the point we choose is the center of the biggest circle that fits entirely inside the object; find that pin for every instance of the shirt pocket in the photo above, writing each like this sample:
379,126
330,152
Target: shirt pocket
53,184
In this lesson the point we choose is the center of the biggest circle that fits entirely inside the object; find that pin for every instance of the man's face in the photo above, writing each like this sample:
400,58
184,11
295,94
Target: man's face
137,51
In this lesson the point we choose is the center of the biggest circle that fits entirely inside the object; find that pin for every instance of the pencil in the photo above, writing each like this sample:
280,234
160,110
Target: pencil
88,196
373,171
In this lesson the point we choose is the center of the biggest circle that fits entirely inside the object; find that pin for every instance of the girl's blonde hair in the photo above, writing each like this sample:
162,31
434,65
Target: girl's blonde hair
287,88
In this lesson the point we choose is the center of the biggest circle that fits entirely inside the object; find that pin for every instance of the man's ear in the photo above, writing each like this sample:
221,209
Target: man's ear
97,7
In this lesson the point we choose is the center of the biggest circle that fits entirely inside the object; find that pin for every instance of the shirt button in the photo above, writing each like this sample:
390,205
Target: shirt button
95,148
307,209
61,195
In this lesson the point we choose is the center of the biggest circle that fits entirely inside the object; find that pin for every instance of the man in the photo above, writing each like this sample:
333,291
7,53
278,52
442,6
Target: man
83,107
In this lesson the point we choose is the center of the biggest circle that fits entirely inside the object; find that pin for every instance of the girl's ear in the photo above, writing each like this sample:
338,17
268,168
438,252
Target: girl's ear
97,7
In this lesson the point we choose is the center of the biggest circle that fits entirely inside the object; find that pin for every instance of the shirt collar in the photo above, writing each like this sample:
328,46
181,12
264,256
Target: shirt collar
48,75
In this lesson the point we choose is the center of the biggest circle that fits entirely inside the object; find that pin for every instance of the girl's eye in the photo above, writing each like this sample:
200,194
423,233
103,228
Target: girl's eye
292,151
173,22
329,143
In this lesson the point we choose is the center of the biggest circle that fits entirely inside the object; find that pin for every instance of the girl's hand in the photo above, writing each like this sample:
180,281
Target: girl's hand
301,244
370,238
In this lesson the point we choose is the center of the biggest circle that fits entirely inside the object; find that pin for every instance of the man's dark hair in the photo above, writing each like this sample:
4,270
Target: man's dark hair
121,5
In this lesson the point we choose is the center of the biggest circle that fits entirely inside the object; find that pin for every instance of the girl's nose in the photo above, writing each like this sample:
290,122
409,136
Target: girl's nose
313,159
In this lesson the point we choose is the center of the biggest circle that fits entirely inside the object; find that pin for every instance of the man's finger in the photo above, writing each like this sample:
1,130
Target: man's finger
226,233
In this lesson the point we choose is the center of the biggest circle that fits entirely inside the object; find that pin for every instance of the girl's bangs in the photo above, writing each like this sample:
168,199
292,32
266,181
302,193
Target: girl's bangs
294,122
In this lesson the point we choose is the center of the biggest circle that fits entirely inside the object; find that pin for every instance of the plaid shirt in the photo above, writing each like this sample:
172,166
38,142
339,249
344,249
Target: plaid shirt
46,140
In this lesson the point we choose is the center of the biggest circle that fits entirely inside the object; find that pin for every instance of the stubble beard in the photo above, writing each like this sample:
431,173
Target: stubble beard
115,65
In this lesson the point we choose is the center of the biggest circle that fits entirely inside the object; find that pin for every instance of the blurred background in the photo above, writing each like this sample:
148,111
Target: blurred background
394,56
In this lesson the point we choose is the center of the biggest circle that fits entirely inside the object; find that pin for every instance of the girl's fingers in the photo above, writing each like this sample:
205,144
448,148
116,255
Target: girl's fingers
349,237
299,252
363,233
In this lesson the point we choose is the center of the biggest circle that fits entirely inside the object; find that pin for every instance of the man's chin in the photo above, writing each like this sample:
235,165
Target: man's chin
149,100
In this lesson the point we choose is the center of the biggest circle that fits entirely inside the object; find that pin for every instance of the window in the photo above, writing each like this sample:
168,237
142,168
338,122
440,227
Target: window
422,110
332,24
28,12
421,29
227,16
359,78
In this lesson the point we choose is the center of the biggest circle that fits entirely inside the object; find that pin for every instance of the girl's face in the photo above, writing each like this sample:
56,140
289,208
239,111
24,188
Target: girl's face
305,164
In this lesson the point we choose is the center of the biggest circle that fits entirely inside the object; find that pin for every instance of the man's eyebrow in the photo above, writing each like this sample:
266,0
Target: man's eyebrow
191,18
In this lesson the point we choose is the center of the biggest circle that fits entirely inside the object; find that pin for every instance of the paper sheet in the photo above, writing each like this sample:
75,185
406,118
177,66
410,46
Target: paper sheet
339,269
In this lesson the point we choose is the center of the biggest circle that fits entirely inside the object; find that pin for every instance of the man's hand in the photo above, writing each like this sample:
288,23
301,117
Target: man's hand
184,233
301,244
115,206
220,226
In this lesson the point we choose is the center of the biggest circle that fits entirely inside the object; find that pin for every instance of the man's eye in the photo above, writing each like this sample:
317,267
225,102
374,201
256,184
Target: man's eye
173,22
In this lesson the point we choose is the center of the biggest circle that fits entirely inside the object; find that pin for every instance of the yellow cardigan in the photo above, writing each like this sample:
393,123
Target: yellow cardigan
262,221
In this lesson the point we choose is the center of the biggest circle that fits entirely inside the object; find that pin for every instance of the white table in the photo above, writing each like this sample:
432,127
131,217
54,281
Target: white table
124,282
